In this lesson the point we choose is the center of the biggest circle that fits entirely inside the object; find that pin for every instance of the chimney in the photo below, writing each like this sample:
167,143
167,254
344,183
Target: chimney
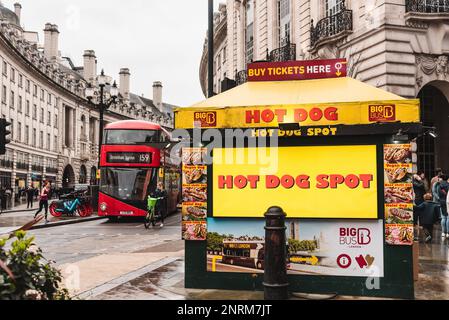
51,41
124,83
90,66
18,9
157,94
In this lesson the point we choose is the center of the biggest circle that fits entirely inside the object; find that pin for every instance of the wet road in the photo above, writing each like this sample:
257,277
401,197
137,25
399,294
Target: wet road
103,260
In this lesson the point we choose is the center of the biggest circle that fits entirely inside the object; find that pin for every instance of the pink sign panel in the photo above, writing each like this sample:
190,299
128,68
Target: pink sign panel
297,70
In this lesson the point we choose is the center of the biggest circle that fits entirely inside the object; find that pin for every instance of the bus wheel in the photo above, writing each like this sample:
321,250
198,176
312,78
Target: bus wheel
259,265
113,219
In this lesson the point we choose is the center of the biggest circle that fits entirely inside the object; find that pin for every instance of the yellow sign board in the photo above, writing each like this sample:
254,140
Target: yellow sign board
307,182
355,113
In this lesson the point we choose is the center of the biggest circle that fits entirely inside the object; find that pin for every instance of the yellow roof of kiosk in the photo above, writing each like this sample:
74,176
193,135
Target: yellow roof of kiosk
310,102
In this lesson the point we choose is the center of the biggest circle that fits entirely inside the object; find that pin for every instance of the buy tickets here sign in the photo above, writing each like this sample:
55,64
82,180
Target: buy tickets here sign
297,70
307,182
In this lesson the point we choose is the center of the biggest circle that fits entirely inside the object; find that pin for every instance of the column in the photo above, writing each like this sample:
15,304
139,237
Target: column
13,179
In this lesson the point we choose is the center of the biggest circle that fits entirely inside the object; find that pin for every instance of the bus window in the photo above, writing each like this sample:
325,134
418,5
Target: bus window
130,137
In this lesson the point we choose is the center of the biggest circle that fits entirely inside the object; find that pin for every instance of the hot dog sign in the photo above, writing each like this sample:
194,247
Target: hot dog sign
307,182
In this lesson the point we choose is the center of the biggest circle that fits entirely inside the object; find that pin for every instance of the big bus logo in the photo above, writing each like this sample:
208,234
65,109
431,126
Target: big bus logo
379,113
207,119
355,236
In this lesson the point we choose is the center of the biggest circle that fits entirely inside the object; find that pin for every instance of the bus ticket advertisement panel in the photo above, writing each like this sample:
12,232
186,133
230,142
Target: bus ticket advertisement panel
315,247
334,182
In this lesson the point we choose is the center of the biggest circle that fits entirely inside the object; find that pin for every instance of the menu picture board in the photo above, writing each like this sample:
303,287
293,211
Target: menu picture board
399,194
194,194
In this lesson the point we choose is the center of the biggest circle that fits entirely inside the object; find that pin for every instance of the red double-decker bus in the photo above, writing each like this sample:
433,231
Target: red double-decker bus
134,162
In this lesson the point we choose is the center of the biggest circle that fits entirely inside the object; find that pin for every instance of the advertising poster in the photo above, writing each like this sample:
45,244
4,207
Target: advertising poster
341,179
399,194
315,247
194,194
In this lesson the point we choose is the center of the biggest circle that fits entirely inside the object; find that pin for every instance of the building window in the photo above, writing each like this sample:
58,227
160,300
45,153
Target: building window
56,121
28,87
20,81
13,75
284,22
48,141
19,131
27,110
5,69
42,95
41,140
49,98
249,31
35,90
49,118
42,118
34,112
34,137
11,100
19,106
55,145
27,135
4,94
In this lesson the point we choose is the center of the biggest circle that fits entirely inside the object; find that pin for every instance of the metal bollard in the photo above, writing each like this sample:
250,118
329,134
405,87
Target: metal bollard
275,276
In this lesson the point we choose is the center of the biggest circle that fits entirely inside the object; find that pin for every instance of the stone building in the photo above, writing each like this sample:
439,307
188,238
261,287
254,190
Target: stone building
401,46
54,128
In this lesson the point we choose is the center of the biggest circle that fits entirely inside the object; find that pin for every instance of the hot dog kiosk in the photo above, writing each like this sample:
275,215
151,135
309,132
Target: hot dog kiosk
332,152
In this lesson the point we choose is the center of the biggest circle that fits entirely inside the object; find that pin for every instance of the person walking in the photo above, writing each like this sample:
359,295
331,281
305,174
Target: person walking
437,178
443,200
30,196
429,215
43,203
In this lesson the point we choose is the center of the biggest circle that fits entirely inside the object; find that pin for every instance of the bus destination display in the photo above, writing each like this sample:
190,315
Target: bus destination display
129,157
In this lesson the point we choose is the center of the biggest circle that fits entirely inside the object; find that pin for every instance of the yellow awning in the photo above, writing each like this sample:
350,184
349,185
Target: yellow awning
297,93
340,101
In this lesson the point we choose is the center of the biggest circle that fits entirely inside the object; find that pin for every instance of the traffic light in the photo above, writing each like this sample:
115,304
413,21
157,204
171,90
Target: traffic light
4,135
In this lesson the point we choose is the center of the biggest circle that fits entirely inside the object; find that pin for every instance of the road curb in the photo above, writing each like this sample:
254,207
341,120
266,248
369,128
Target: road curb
63,223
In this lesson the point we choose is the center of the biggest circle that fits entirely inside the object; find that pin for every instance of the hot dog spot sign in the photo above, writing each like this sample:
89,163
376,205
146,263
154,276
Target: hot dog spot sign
307,182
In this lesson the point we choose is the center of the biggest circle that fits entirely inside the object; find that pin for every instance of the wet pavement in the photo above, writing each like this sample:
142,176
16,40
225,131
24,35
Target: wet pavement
124,261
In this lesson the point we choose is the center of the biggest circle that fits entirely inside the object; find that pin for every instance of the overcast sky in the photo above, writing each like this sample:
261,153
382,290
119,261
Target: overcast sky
158,40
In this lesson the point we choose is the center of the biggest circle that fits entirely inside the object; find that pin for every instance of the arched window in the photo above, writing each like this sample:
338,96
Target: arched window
83,175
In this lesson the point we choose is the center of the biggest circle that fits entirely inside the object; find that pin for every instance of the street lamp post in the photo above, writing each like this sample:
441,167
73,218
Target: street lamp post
103,104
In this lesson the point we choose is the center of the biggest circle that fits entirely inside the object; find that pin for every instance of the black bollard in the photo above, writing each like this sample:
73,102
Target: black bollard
275,276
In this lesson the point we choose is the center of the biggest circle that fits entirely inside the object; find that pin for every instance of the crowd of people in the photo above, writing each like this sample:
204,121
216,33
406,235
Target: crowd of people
431,203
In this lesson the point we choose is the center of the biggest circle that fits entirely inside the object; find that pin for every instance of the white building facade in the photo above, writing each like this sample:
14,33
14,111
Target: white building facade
55,130
401,46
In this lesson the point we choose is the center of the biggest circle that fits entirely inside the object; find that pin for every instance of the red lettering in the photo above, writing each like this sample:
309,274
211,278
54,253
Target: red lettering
322,182
331,114
366,180
288,182
303,182
253,116
280,114
352,181
272,182
316,114
335,180
225,182
267,116
301,115
253,180
241,182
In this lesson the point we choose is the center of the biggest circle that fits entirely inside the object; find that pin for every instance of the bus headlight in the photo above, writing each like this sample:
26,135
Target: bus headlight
103,207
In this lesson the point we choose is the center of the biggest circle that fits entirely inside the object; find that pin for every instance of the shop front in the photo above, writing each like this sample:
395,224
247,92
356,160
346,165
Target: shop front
332,152
21,185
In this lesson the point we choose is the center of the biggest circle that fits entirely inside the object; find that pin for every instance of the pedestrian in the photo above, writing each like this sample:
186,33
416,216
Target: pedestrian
43,203
161,205
439,173
443,199
419,187
30,196
429,215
